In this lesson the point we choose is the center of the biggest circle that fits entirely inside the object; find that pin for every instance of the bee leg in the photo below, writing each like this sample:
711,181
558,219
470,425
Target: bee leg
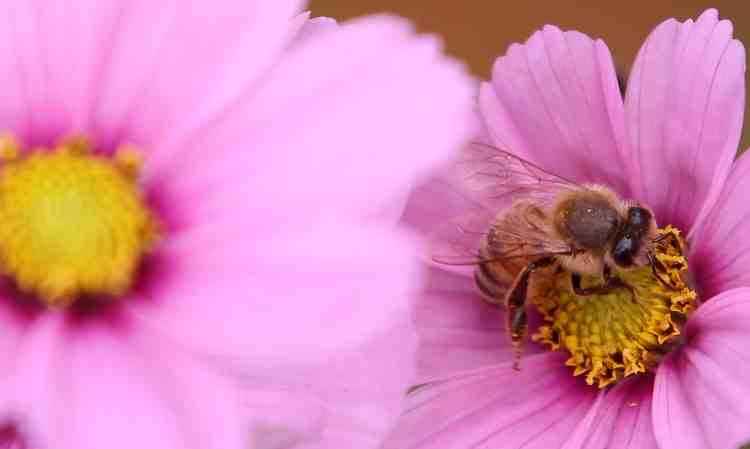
515,302
610,283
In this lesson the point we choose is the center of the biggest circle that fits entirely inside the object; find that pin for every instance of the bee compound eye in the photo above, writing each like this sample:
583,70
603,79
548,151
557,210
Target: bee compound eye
623,251
638,216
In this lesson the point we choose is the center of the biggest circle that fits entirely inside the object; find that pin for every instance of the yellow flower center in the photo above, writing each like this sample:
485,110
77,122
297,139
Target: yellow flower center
72,223
618,334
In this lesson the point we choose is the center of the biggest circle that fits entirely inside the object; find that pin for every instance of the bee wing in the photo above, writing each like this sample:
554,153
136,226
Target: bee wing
496,178
493,180
459,242
525,234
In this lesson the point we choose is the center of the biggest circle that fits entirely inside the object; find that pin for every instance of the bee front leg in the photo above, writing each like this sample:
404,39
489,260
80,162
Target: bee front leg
610,283
515,303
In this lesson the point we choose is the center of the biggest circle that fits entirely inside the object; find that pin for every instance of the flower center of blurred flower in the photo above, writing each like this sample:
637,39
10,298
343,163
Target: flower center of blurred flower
621,333
72,223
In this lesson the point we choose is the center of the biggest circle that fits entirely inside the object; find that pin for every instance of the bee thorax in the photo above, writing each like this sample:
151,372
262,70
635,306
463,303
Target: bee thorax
588,219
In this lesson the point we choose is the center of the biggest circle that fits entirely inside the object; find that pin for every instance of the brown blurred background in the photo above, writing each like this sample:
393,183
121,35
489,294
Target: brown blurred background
477,31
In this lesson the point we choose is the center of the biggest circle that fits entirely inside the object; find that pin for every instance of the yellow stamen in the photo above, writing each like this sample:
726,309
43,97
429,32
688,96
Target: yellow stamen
610,336
72,223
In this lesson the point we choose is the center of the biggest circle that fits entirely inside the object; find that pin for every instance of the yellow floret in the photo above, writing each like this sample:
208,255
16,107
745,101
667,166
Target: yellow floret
609,336
72,223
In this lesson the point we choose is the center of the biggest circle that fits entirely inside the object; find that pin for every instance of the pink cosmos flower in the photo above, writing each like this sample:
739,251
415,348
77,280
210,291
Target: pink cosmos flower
260,283
671,144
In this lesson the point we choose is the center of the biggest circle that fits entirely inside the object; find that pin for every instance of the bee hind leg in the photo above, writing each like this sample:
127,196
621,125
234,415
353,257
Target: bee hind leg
515,302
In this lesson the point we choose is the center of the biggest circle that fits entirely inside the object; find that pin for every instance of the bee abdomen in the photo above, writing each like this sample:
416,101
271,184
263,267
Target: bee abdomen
491,288
488,286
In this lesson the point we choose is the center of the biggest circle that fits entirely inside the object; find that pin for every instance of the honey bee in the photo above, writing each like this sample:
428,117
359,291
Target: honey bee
527,220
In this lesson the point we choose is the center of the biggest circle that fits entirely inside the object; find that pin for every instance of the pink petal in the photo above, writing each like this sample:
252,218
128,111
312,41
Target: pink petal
718,261
685,101
249,37
442,196
208,52
700,395
496,407
352,117
135,70
555,101
300,296
36,36
458,330
311,28
316,324
56,67
91,386
434,204
15,320
35,386
348,401
621,419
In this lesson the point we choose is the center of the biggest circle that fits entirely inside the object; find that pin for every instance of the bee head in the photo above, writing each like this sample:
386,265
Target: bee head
633,238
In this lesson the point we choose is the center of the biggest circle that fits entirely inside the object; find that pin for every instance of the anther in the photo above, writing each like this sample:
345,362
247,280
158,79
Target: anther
8,148
128,160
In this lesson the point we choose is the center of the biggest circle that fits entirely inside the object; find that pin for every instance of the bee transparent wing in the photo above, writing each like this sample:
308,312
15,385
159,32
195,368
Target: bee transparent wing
518,236
493,180
496,178
458,242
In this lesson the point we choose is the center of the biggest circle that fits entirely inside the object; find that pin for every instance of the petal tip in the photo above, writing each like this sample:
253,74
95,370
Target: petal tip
551,29
670,24
711,15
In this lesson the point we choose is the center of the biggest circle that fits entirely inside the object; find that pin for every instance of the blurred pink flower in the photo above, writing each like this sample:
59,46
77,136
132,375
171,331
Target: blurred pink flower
276,161
555,101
